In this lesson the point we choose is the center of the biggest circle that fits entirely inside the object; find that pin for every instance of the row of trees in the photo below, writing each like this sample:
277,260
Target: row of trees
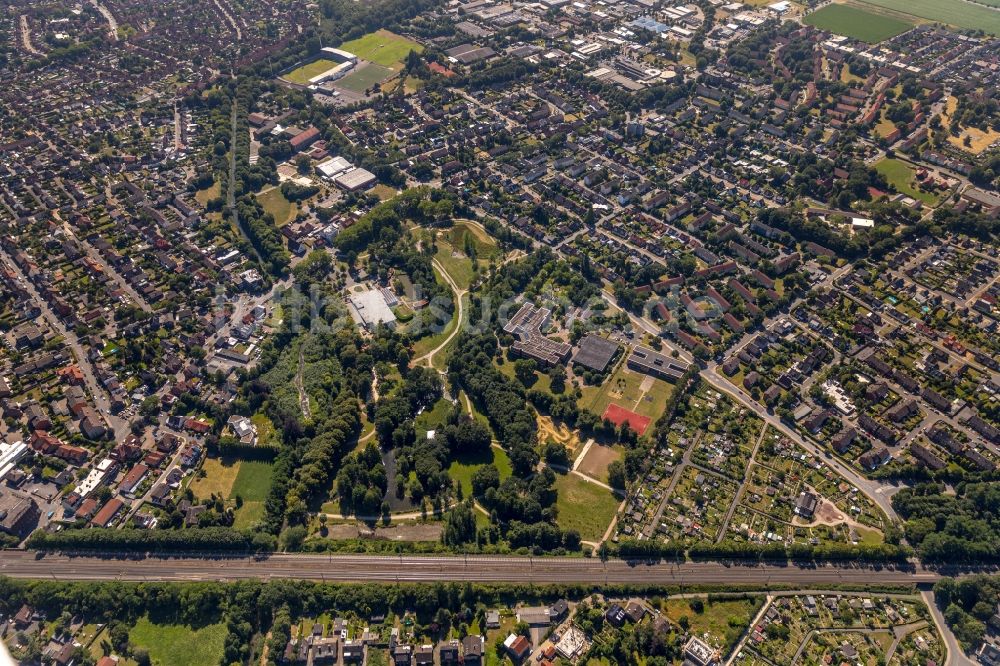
742,550
142,540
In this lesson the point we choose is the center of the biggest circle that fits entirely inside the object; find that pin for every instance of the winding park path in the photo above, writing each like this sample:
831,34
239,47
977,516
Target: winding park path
459,294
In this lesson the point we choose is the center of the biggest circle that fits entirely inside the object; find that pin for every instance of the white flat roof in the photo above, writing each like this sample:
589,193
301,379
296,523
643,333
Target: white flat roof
369,308
333,166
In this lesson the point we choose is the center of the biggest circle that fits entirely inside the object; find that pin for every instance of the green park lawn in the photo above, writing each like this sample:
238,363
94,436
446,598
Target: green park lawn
463,467
275,203
253,480
900,175
431,419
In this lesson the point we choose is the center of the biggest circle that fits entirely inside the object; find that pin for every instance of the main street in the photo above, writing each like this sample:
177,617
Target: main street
484,569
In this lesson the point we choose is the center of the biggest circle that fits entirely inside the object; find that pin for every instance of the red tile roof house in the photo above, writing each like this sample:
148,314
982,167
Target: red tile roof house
108,513
133,479
304,139
518,647
197,425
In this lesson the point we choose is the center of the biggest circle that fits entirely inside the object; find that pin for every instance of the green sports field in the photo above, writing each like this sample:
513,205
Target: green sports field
364,77
958,13
856,23
382,48
309,70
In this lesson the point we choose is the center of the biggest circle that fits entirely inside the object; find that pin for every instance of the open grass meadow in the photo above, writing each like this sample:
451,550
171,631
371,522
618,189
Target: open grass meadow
248,515
179,645
209,193
857,23
958,13
583,506
250,479
218,479
714,618
275,203
302,74
431,419
486,246
900,175
382,48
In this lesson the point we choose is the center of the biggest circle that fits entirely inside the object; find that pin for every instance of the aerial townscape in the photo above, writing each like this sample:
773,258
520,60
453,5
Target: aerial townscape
500,332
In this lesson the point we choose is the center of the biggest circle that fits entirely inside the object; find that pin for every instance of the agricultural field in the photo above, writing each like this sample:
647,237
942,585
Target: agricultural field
302,74
382,48
901,176
584,506
178,645
953,12
857,23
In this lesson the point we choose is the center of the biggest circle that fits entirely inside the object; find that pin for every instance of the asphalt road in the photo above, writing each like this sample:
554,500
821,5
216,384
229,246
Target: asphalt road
954,656
500,569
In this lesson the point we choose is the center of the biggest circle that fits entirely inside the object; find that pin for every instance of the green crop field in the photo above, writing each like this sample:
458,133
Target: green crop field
178,645
856,23
382,48
309,70
953,12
